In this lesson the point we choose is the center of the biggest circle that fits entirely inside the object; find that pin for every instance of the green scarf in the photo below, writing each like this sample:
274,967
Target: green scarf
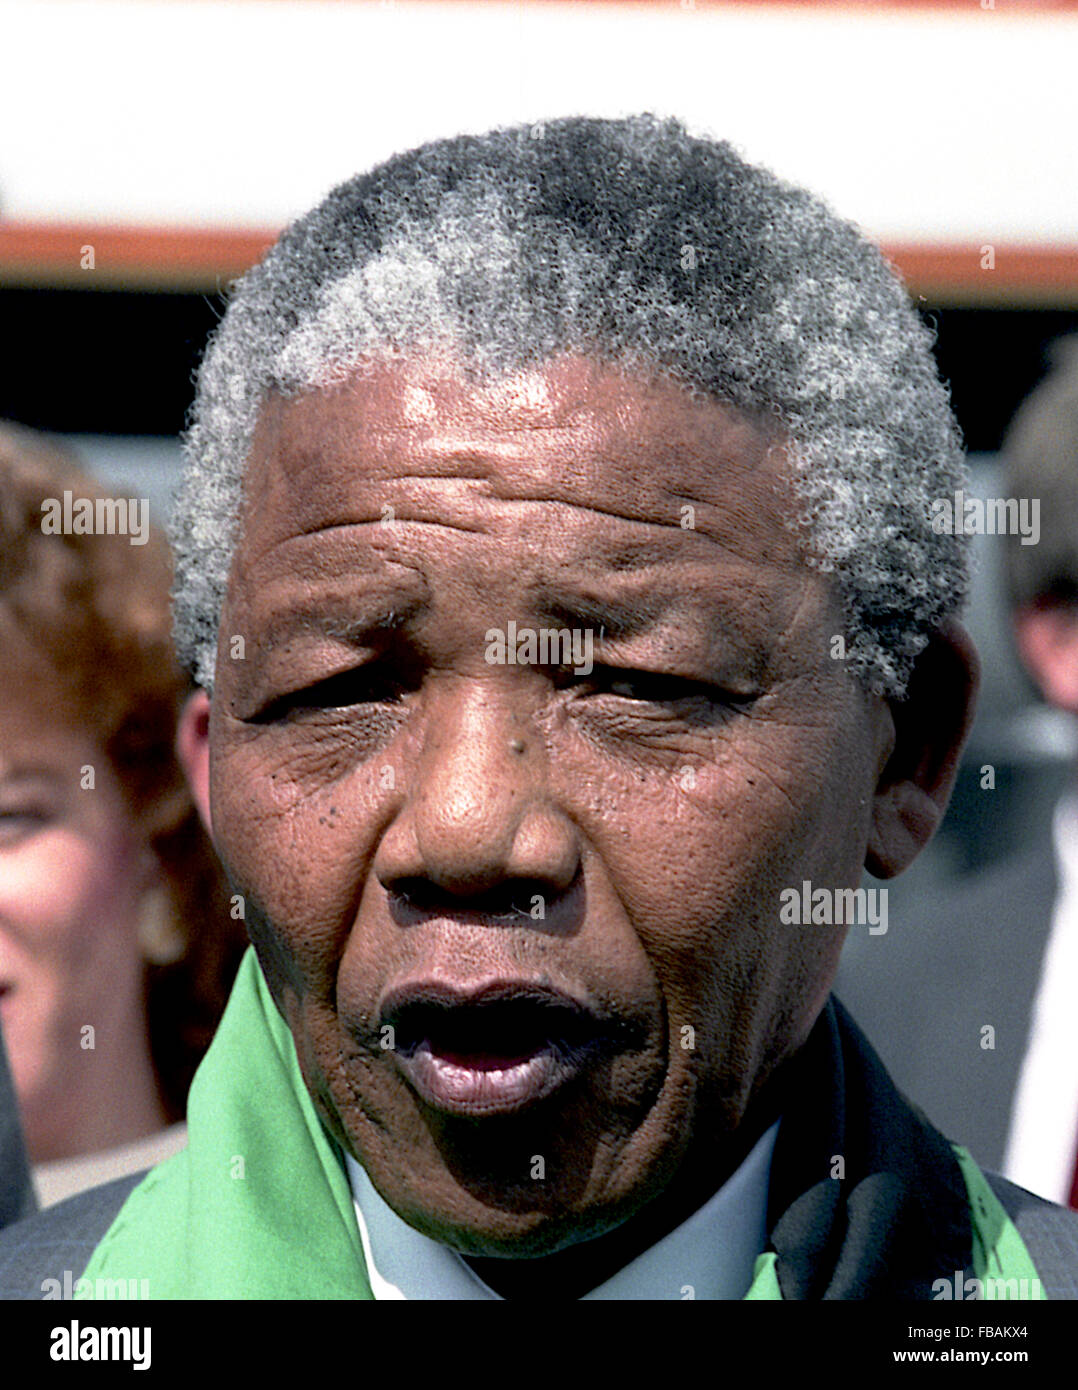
258,1205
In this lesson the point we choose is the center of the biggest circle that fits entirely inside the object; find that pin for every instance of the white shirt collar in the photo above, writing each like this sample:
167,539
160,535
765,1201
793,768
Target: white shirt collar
712,1255
1065,840
1040,1154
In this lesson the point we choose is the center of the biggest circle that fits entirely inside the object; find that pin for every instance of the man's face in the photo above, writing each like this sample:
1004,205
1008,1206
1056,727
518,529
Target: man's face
523,920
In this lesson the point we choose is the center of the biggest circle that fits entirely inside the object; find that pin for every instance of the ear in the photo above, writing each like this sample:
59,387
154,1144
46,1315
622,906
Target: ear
1047,637
193,751
930,726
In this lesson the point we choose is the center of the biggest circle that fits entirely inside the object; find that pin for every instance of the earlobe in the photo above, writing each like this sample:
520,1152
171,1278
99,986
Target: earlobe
193,752
931,725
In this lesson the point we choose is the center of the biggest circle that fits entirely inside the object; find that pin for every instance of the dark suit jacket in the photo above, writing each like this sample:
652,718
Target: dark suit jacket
955,959
16,1194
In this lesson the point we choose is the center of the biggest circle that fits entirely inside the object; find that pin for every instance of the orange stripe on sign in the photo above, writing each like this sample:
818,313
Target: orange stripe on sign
51,255
989,273
115,257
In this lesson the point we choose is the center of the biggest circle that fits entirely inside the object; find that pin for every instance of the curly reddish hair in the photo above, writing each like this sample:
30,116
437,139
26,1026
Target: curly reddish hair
97,608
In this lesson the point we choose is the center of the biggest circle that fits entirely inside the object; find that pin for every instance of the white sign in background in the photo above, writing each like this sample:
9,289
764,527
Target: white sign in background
956,124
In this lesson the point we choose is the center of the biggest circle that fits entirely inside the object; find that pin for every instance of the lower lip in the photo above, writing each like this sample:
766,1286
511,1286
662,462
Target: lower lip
490,1085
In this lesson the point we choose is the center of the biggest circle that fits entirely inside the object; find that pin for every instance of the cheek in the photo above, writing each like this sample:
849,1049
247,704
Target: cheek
68,933
65,897
298,847
701,864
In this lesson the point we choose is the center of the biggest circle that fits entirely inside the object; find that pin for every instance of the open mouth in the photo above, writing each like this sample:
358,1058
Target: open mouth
495,1052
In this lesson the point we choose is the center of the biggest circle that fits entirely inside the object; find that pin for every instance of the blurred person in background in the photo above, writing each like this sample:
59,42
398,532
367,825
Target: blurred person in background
1041,460
117,948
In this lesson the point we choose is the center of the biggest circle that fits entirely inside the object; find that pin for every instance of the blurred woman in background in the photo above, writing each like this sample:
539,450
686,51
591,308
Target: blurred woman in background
117,945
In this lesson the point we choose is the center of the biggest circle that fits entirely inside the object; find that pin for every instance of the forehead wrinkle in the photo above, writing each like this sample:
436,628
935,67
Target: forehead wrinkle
387,550
402,519
254,557
440,460
381,524
594,508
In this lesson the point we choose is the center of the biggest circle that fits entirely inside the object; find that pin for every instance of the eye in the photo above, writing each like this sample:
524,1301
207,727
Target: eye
362,685
18,823
656,688
643,685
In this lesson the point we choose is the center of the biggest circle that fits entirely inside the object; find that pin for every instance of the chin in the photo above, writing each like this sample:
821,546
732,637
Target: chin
498,1235
485,1217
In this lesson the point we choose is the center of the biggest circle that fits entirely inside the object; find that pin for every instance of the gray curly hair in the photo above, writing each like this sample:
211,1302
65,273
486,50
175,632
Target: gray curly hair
633,241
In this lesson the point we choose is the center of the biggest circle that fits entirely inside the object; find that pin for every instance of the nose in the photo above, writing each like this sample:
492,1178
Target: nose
478,815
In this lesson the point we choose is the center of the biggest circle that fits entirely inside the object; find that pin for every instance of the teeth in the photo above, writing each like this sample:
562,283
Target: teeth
471,1061
483,1084
464,1069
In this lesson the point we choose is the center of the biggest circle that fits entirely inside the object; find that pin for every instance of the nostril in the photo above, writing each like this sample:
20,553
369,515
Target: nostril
511,899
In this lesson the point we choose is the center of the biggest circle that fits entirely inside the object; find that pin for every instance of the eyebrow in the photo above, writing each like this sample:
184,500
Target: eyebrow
614,620
374,616
371,613
385,617
660,608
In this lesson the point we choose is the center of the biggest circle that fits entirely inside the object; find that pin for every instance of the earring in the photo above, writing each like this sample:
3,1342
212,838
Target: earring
160,938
